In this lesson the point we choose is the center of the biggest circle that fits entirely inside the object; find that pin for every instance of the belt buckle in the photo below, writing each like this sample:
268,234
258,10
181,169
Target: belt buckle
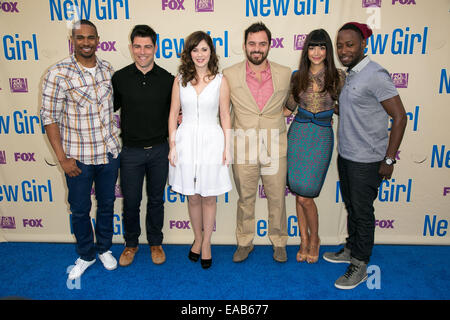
145,148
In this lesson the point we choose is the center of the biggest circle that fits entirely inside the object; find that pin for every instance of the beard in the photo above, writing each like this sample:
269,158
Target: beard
256,62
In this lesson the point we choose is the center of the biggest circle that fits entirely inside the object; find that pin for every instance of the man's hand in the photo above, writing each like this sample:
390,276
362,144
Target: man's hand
385,170
70,167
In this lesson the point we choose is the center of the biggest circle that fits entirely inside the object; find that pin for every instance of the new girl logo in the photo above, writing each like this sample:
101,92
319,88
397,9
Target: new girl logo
402,41
21,123
284,7
20,47
27,191
69,10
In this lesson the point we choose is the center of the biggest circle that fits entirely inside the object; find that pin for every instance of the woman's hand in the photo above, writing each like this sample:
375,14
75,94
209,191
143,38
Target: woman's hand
173,156
226,157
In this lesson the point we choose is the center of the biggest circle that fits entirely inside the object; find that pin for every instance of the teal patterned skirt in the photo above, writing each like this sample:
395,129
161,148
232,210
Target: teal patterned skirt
310,146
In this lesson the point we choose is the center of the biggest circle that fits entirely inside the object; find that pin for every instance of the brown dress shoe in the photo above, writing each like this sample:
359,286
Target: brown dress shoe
158,255
127,256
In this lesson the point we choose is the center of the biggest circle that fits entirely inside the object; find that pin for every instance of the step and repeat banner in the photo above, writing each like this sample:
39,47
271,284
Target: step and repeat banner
410,40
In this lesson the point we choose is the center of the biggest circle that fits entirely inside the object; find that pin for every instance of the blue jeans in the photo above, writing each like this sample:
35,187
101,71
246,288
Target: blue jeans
359,184
104,177
135,165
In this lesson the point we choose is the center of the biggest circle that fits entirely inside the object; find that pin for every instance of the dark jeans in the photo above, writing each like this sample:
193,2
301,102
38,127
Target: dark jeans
135,164
104,178
359,184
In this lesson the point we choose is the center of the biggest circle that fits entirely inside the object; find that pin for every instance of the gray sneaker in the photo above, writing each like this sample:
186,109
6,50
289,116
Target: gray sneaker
356,273
242,253
343,256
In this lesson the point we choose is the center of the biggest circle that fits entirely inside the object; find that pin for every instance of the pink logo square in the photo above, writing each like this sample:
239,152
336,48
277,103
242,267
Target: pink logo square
18,84
299,41
400,80
7,223
204,5
371,3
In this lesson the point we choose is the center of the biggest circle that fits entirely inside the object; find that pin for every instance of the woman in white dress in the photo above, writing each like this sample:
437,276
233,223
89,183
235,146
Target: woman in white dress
200,148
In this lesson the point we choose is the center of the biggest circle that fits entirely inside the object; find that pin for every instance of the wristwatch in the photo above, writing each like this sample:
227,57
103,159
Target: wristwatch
389,161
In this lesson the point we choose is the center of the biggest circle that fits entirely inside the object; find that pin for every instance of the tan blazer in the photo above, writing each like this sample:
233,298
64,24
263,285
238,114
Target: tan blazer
248,121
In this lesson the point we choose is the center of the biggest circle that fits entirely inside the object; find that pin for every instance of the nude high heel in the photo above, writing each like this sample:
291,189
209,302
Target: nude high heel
302,253
310,258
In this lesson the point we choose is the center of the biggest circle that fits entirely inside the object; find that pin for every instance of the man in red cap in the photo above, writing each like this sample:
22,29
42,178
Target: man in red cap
366,149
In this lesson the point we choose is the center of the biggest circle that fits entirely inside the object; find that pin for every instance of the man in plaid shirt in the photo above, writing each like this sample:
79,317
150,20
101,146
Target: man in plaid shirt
77,112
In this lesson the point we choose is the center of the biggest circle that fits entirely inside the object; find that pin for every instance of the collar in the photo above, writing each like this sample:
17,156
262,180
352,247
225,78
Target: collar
250,71
364,62
155,69
99,62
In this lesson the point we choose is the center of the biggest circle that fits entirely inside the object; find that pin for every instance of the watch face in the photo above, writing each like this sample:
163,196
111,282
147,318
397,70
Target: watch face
388,161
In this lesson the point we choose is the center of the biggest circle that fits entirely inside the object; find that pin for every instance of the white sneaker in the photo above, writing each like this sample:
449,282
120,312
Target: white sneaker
79,268
108,260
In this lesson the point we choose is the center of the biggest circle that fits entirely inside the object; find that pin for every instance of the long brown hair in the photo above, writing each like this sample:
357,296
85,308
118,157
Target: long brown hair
187,67
301,79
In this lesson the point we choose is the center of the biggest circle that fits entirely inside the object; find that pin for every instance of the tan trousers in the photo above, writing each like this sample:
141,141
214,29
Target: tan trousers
246,177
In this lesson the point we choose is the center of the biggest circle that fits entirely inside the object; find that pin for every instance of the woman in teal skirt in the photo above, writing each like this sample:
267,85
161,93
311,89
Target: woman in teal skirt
315,88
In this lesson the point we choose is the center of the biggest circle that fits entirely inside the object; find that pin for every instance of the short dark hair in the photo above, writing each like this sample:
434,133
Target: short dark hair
77,25
257,27
143,31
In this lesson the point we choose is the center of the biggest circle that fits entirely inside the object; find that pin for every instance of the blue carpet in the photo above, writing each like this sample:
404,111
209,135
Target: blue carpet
38,271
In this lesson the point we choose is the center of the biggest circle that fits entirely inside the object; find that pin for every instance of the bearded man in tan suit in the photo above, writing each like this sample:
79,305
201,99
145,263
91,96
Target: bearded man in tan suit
259,90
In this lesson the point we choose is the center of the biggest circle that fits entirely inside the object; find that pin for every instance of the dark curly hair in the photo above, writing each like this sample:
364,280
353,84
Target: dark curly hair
187,67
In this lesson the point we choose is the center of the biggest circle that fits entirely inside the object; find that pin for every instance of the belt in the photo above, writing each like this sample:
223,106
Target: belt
154,144
322,119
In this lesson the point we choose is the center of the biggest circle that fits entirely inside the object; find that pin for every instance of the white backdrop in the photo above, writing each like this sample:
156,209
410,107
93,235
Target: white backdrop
410,40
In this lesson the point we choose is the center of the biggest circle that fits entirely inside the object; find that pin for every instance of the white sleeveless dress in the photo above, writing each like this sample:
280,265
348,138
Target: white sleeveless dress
200,144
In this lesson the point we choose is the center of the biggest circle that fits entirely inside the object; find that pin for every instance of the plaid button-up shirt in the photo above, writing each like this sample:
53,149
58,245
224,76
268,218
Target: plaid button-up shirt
82,106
